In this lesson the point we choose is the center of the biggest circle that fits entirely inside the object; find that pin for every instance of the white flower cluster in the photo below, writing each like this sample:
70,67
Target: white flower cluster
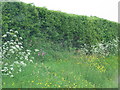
13,54
103,48
107,48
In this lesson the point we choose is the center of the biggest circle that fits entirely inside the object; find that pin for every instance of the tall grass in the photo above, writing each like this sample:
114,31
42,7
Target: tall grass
48,65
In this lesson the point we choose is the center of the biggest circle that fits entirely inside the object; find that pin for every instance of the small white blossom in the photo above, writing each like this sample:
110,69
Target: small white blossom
11,30
20,37
6,64
7,32
16,62
4,35
11,76
31,61
20,70
19,43
9,72
16,32
17,46
11,68
14,35
36,50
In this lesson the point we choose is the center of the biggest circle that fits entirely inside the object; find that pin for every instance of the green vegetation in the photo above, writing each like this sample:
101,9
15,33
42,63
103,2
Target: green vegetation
71,72
70,30
51,49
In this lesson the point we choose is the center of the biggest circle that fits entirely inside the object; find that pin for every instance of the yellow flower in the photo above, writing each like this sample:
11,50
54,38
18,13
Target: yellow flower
63,79
32,81
48,85
98,67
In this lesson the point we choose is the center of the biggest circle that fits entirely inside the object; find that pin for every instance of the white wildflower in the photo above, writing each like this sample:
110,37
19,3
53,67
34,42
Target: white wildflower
11,76
6,64
11,65
28,50
36,50
9,72
20,70
7,32
11,68
20,37
31,61
16,32
12,51
13,47
28,53
12,40
26,57
19,43
16,62
14,35
17,46
4,35
11,30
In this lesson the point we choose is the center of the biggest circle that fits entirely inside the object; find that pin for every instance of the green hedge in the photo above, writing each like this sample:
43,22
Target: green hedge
67,29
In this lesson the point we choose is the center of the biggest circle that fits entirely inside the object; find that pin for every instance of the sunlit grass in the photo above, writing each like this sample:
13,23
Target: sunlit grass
71,72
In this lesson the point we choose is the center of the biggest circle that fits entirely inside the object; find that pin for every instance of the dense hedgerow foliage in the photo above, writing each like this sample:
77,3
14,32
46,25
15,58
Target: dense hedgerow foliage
66,29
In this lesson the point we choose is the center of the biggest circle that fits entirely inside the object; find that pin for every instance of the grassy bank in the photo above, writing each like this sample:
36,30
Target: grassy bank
72,71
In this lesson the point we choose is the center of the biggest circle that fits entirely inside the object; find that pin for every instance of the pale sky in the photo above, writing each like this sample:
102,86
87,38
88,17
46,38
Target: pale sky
107,9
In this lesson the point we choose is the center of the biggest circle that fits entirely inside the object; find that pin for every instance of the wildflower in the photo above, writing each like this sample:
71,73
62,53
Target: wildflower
13,47
16,32
32,81
11,65
36,50
19,43
20,70
11,40
43,53
28,50
38,53
11,76
21,46
7,32
28,53
26,57
6,64
48,85
20,37
11,30
31,61
4,35
17,46
9,72
63,79
11,68
14,35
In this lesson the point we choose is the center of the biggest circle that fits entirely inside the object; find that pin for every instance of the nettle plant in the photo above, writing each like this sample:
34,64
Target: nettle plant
14,56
